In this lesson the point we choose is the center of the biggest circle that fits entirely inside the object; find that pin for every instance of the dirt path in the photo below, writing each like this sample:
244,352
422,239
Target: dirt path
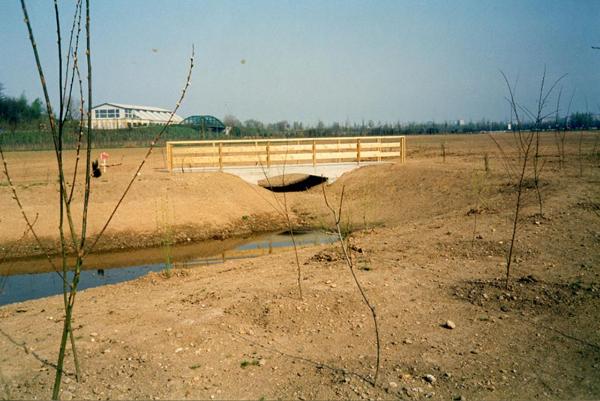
239,331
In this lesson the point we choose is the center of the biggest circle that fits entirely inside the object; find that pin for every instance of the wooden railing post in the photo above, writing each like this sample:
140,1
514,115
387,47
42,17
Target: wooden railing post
169,156
221,156
314,152
378,149
403,148
268,154
358,151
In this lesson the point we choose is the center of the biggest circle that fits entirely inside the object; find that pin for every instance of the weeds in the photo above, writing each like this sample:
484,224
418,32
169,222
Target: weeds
479,188
580,153
165,230
245,363
486,163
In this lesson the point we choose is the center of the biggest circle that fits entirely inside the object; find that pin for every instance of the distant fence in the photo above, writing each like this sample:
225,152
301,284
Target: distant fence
272,152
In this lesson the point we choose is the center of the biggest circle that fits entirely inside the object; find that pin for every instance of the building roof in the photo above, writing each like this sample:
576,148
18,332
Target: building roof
133,106
145,112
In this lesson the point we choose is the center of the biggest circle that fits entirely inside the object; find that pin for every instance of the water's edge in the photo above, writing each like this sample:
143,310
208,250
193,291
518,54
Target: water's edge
31,279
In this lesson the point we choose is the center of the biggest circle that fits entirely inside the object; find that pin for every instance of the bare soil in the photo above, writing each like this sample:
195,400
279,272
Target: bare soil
429,243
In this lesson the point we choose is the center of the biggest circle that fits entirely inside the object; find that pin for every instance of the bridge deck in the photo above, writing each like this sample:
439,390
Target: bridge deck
254,160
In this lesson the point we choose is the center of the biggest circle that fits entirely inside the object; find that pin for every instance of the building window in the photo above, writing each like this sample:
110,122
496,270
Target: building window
113,113
101,113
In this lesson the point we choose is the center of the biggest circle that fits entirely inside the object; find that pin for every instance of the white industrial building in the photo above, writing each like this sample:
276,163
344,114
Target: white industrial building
117,115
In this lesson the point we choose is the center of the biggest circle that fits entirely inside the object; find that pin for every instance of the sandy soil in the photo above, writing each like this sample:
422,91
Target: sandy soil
429,244
194,206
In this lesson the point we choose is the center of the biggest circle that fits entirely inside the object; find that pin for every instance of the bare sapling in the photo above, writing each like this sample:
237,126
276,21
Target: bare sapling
580,153
57,127
559,134
527,143
164,216
478,188
538,118
337,217
72,239
281,207
524,142
443,152
563,134
295,246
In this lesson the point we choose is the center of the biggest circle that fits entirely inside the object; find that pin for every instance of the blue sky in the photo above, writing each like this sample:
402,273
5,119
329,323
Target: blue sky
320,60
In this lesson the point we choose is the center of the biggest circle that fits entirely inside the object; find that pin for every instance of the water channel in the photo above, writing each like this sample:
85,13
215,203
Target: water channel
22,280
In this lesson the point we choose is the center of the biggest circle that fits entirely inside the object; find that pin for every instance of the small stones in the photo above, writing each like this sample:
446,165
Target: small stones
262,362
449,324
429,378
392,385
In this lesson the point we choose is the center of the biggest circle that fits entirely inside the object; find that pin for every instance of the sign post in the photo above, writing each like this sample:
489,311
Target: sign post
103,159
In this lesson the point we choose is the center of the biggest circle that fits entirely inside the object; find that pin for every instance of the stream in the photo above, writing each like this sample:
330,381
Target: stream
22,280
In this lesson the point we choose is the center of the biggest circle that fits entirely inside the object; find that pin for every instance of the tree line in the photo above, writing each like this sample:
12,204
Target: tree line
16,111
24,118
255,128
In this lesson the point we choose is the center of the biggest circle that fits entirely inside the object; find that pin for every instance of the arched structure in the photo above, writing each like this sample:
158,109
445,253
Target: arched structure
204,123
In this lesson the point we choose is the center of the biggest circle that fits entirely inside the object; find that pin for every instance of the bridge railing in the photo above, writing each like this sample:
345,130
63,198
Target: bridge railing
271,152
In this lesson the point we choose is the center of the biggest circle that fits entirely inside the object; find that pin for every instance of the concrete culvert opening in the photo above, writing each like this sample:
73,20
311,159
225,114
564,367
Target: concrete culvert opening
291,182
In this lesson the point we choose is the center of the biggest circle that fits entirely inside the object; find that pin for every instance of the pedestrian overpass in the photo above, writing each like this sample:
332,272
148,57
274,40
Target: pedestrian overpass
257,159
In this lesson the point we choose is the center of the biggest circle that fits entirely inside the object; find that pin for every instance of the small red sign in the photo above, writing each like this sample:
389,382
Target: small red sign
103,156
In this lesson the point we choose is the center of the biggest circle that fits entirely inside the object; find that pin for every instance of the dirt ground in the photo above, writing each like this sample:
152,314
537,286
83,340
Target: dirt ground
429,243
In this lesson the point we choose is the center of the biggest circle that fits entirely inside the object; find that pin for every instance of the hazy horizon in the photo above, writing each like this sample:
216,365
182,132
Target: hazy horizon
312,61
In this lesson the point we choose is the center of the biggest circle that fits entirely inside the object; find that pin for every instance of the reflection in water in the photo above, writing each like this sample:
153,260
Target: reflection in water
20,281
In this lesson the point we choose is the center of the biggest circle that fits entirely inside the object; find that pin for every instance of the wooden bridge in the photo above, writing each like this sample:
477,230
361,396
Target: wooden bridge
254,160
